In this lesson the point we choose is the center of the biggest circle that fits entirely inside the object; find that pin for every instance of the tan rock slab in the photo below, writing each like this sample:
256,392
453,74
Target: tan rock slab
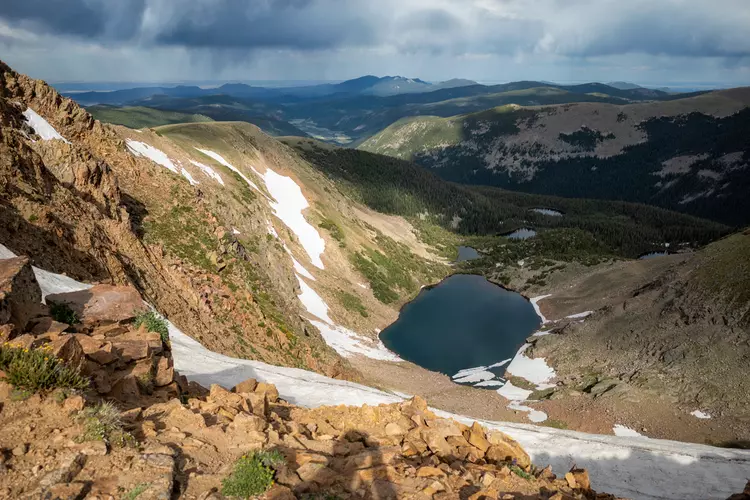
103,304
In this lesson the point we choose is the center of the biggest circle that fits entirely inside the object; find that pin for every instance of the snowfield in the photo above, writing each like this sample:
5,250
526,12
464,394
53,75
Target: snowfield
157,156
535,303
288,206
189,177
700,414
220,159
210,172
313,303
648,469
621,430
535,370
42,127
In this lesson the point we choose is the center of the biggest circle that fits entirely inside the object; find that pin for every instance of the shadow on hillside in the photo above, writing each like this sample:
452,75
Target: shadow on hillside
52,251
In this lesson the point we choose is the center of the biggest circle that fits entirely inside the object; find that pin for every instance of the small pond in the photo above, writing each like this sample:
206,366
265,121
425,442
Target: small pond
521,234
463,322
467,253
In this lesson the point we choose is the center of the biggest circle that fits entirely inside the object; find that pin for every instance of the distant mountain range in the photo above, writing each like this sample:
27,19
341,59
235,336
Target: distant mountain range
345,113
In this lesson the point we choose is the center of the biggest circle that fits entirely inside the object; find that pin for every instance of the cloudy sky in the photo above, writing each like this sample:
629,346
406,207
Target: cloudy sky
646,41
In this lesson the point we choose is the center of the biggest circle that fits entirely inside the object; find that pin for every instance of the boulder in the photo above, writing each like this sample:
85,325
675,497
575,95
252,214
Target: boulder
68,349
103,355
506,450
246,386
270,391
20,295
49,327
103,304
131,350
164,372
476,437
578,478
88,344
126,390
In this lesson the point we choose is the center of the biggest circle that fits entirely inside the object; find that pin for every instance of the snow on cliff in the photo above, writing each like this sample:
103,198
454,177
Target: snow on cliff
42,127
649,469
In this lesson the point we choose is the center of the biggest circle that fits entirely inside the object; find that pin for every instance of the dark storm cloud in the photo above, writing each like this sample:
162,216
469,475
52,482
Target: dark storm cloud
578,28
91,19
296,24
665,32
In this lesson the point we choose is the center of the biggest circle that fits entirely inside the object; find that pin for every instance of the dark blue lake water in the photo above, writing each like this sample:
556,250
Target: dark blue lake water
466,253
463,322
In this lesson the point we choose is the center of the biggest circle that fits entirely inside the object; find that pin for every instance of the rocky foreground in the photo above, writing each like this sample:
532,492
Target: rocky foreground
92,408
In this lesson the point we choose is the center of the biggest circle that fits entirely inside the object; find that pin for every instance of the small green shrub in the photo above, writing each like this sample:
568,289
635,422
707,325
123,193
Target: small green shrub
136,491
271,458
103,423
520,472
153,323
250,477
352,303
62,312
38,370
336,232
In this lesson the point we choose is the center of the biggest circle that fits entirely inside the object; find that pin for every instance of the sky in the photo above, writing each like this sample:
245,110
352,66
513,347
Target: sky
642,41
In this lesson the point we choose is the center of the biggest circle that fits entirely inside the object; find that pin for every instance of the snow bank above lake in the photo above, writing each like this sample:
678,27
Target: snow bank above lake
157,156
42,127
535,370
535,302
210,172
288,206
348,343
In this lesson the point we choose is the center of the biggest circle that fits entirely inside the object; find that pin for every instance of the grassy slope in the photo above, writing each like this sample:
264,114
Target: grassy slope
142,117
398,187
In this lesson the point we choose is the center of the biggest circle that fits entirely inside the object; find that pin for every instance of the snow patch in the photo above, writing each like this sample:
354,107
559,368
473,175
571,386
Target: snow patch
622,431
288,206
313,302
301,270
535,416
535,370
513,393
700,414
347,343
157,156
234,231
42,127
213,174
535,303
490,383
220,159
580,315
478,376
189,177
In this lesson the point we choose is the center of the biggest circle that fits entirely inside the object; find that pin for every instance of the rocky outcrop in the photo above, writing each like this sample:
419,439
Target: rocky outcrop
19,295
